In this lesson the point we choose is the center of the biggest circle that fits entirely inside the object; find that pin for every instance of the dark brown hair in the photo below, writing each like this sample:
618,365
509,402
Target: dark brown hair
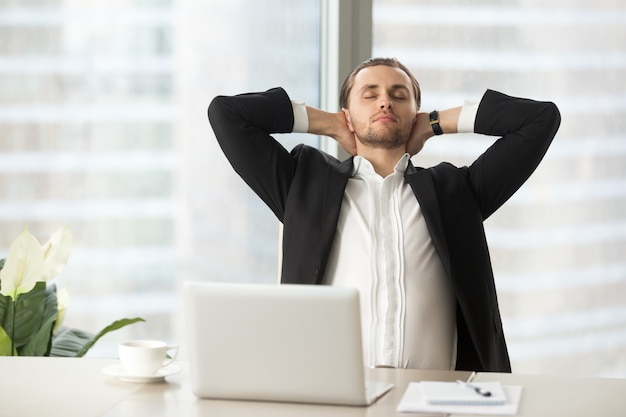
372,62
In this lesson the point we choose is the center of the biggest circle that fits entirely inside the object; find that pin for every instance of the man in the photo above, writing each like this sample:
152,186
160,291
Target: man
410,239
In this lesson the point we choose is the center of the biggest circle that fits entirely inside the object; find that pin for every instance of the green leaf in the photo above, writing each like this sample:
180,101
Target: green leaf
51,306
29,308
68,342
40,343
5,305
73,342
5,343
116,325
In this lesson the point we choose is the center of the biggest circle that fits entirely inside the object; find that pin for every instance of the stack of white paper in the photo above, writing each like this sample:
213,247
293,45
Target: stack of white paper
453,398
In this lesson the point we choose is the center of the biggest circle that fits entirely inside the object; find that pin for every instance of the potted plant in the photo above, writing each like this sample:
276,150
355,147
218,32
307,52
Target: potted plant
31,308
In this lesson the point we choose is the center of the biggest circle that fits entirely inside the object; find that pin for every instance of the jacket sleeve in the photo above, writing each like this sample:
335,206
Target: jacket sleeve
527,128
243,126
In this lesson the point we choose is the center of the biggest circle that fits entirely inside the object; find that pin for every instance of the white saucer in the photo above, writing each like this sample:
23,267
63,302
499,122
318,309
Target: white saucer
119,371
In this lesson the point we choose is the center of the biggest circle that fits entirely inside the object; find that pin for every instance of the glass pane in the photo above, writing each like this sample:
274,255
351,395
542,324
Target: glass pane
558,246
103,126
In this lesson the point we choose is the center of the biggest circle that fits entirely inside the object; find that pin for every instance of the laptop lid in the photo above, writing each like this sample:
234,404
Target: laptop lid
292,343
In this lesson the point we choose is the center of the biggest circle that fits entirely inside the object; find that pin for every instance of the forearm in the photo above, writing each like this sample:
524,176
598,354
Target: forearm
325,123
525,129
243,125
448,120
422,131
319,122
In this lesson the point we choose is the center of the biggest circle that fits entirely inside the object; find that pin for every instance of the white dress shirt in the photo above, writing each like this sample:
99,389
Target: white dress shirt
383,248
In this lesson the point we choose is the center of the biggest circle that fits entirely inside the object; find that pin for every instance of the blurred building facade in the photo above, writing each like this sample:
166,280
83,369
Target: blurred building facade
559,245
103,126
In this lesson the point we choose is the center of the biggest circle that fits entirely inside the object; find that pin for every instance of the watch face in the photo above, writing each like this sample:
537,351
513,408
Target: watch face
434,122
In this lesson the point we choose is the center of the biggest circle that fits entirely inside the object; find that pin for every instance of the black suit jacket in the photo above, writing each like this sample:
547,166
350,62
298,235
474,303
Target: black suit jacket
305,187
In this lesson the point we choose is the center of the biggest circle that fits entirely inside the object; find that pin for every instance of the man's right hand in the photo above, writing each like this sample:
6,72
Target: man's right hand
333,125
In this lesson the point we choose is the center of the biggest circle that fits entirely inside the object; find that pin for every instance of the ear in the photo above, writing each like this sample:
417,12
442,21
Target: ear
346,113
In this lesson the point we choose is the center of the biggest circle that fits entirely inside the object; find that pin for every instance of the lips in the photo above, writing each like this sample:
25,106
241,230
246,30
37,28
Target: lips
384,118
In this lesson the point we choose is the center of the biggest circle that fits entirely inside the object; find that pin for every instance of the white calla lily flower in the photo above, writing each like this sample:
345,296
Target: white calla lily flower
56,253
23,266
32,334
63,300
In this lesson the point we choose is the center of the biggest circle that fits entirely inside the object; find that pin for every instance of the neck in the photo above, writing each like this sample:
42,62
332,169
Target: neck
384,161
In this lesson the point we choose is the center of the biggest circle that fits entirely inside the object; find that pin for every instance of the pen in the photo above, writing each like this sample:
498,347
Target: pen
476,389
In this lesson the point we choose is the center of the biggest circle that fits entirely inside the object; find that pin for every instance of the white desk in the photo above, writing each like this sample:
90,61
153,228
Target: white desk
51,387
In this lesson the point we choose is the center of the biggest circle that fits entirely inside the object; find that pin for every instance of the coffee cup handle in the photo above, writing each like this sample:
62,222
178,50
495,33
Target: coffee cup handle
171,358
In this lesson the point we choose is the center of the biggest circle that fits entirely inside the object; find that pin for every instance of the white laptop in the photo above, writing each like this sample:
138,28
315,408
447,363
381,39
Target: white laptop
269,342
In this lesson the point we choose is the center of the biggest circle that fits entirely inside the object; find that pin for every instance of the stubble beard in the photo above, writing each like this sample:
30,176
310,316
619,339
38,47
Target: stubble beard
382,139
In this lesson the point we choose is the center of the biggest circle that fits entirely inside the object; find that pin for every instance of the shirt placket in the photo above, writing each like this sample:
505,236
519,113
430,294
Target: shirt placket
386,291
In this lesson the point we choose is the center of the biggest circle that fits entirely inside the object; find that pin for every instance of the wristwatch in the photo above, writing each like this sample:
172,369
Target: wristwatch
434,122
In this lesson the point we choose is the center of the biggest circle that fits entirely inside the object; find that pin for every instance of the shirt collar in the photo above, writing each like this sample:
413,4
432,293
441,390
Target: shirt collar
364,167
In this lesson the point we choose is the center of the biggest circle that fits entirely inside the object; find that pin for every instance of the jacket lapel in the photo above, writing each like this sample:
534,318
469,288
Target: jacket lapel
337,177
421,183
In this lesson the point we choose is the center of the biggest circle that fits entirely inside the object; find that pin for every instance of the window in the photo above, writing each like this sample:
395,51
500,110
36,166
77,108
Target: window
558,245
103,126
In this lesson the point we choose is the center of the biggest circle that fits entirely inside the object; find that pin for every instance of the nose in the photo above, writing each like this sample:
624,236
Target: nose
384,100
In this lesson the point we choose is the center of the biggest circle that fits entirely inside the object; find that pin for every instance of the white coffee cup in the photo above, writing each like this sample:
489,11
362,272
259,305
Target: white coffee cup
145,357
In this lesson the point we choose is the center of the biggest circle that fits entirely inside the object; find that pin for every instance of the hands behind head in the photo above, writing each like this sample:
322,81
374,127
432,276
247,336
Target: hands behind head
421,132
345,137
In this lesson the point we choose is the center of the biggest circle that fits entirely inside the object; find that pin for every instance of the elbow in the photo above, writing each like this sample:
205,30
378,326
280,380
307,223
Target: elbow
216,108
554,115
550,117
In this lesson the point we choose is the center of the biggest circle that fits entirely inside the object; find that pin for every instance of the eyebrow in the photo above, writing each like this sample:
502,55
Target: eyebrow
368,87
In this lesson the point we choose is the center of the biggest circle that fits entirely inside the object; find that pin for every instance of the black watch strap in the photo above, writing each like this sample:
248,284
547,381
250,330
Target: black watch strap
434,122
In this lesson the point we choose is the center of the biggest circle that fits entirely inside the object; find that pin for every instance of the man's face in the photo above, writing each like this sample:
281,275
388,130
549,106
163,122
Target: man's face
381,110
